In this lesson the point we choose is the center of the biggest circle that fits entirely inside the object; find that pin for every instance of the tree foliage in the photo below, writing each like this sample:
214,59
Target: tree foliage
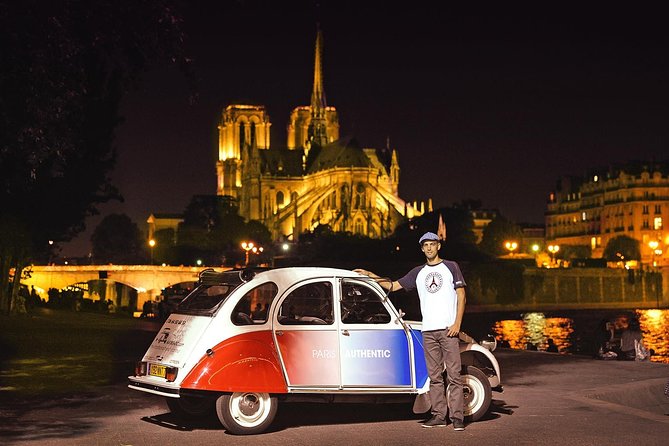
622,248
213,231
497,232
117,239
64,67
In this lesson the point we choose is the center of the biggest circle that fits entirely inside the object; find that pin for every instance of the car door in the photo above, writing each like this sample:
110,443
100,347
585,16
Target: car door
374,347
306,335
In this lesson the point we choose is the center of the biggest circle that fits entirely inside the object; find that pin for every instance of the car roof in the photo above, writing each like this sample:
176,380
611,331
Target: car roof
284,275
298,273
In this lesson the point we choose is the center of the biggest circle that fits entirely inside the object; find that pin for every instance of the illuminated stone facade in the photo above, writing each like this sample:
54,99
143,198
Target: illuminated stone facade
630,200
316,179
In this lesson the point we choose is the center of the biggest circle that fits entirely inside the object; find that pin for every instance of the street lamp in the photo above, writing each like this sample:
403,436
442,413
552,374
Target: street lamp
655,251
152,244
247,247
553,249
511,246
653,244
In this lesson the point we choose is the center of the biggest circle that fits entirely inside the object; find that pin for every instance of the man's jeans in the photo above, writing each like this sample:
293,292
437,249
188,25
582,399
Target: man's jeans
442,350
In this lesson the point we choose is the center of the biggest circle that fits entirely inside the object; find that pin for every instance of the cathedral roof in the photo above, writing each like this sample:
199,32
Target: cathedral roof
281,162
289,163
342,153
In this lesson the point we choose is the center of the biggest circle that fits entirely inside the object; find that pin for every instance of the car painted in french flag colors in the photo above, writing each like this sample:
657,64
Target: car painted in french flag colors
245,340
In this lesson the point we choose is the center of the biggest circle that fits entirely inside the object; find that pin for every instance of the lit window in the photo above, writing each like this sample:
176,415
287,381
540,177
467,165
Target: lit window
584,216
657,223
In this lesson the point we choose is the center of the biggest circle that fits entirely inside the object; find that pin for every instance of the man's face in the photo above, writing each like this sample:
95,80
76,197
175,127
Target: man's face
430,248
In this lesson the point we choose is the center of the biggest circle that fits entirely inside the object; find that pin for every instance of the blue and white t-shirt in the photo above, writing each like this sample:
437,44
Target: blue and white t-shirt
436,285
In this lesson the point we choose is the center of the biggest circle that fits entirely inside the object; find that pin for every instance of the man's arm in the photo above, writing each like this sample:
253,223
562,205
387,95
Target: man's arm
454,329
386,284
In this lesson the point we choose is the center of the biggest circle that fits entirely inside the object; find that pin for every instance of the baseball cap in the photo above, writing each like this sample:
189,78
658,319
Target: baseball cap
428,236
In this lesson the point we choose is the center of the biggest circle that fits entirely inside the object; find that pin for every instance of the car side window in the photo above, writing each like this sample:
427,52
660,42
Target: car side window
362,305
253,307
309,304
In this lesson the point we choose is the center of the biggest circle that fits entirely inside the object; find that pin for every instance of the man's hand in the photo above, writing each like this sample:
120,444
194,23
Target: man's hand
454,329
364,272
386,284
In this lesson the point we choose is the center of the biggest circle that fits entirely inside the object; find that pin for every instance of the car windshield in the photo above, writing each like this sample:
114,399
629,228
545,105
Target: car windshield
206,299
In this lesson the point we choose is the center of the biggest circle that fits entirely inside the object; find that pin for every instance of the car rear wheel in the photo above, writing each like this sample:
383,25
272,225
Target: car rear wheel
477,393
245,413
191,407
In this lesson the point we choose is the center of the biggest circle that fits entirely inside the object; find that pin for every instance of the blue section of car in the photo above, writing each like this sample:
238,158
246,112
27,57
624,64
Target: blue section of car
375,358
419,358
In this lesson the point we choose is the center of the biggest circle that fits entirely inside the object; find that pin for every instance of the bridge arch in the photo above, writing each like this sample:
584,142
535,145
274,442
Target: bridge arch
147,280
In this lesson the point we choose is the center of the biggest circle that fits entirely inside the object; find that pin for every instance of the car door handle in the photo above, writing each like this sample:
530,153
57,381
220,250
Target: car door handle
279,333
345,333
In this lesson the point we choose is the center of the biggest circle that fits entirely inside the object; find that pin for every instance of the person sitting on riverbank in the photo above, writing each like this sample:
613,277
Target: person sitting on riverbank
605,344
631,343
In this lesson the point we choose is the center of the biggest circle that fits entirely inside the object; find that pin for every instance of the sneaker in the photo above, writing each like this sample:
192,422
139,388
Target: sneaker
435,422
458,425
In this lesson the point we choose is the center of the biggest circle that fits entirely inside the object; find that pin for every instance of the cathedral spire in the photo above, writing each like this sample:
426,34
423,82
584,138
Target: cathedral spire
318,125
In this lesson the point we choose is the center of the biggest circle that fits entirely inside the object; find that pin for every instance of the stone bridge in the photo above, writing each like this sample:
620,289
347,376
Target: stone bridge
147,280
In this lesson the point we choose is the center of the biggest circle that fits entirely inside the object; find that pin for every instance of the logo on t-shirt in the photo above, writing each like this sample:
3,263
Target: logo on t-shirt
433,282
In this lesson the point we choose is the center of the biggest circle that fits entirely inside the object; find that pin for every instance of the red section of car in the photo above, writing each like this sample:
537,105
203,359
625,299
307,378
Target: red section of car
244,363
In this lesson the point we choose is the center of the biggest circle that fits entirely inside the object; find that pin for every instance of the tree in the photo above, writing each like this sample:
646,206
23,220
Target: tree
117,239
213,230
64,67
622,248
165,250
497,232
460,238
574,252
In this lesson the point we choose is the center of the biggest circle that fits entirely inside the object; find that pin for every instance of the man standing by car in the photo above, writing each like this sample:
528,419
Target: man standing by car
441,289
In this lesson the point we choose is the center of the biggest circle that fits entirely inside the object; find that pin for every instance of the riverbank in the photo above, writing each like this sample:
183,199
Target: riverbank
55,352
549,399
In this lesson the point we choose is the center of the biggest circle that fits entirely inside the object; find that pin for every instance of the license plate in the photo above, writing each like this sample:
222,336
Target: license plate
157,370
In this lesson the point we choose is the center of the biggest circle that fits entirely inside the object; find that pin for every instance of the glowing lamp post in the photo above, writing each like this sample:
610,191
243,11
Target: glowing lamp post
152,244
247,247
511,246
656,251
653,244
553,249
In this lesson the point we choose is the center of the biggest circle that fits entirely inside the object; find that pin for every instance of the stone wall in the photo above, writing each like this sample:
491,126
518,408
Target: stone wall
568,288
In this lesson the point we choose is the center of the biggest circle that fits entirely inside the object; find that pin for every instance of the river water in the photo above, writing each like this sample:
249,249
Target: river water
573,332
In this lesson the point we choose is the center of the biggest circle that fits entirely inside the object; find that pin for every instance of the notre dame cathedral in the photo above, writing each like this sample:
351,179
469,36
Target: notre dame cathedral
317,179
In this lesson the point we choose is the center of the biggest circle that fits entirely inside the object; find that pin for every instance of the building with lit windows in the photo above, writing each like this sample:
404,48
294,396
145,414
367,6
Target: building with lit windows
630,199
316,179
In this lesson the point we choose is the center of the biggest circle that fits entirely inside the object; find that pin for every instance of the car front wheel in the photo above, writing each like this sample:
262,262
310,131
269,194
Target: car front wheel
477,393
246,413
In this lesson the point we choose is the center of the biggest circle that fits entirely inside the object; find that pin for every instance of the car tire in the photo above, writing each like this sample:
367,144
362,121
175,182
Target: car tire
191,408
246,413
477,393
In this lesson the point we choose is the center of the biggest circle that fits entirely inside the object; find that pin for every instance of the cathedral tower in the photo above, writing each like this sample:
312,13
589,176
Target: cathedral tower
241,127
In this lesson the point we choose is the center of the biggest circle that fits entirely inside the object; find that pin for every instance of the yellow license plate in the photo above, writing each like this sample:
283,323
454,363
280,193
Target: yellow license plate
157,370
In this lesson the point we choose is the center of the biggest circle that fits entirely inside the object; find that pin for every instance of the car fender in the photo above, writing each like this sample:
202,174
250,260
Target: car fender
244,363
478,356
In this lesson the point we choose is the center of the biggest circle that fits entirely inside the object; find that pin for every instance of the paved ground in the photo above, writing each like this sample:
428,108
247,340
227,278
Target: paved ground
549,399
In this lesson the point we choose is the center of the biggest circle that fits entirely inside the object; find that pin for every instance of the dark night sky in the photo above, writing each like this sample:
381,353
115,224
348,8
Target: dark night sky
480,102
